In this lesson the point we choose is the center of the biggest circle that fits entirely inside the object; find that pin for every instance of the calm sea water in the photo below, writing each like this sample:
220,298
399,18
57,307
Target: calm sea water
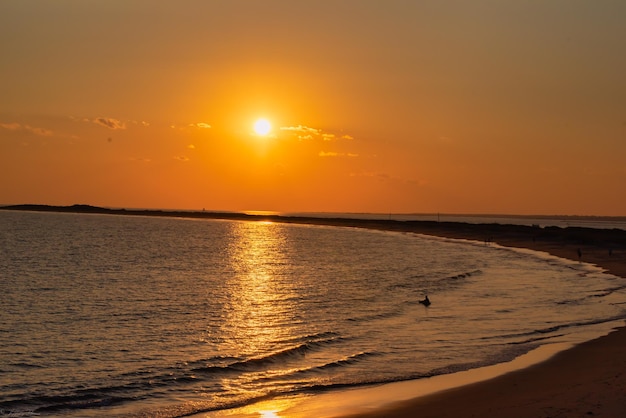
129,316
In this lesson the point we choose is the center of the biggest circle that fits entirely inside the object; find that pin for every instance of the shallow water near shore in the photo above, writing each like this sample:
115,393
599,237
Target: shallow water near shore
130,316
351,401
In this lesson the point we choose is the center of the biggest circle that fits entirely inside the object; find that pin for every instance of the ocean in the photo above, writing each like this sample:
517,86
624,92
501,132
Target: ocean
144,316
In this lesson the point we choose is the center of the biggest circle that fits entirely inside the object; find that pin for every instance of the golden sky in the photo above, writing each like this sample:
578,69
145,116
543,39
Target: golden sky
464,106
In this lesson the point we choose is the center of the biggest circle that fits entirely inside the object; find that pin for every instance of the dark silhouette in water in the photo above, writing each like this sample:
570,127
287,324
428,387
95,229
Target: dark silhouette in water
426,301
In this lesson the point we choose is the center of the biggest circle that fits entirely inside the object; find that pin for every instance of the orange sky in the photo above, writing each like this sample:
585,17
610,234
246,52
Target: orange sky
445,106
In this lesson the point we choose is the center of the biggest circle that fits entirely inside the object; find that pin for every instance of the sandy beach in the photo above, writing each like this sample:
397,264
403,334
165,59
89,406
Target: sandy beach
587,380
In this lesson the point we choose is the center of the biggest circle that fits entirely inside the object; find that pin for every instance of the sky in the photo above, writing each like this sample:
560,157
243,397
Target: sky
416,106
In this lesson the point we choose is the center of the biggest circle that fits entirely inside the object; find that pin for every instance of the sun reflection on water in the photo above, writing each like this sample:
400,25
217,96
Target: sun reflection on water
276,408
259,308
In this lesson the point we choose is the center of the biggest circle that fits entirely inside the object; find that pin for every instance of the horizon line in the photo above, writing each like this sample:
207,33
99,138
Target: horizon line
257,212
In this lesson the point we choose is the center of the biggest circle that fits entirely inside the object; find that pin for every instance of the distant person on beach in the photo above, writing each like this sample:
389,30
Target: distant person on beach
580,254
425,301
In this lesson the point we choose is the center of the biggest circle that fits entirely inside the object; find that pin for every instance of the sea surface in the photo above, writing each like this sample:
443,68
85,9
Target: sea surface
143,316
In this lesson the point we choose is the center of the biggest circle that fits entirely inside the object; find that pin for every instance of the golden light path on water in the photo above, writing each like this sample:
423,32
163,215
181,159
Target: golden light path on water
259,311
261,308
252,305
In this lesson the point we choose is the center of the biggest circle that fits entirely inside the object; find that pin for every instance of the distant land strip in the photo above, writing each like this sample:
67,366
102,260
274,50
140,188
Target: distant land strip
605,247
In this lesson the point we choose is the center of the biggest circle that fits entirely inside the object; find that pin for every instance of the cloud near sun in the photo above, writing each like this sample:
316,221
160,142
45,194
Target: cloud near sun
337,154
194,125
307,133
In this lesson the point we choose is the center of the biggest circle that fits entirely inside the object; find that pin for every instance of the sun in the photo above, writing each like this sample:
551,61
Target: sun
262,127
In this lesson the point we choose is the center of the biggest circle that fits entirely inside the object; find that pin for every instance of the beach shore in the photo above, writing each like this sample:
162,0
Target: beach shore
586,380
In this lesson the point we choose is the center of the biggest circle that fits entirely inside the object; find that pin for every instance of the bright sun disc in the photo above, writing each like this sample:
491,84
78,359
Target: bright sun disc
262,127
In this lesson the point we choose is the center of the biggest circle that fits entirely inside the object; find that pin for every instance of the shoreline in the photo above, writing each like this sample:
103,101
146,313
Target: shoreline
585,380
588,379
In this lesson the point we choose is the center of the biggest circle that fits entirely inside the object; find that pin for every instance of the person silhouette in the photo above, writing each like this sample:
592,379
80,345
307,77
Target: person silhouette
425,301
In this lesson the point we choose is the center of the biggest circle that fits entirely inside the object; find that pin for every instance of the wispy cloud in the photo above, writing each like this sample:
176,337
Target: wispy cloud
181,158
110,123
39,131
189,126
337,154
307,133
301,129
141,159
14,126
11,126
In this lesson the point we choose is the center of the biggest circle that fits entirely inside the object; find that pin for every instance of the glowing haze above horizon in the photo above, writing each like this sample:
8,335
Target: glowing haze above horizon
514,107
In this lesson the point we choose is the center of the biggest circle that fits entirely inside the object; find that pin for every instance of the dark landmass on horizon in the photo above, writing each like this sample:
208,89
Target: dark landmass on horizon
478,231
84,208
